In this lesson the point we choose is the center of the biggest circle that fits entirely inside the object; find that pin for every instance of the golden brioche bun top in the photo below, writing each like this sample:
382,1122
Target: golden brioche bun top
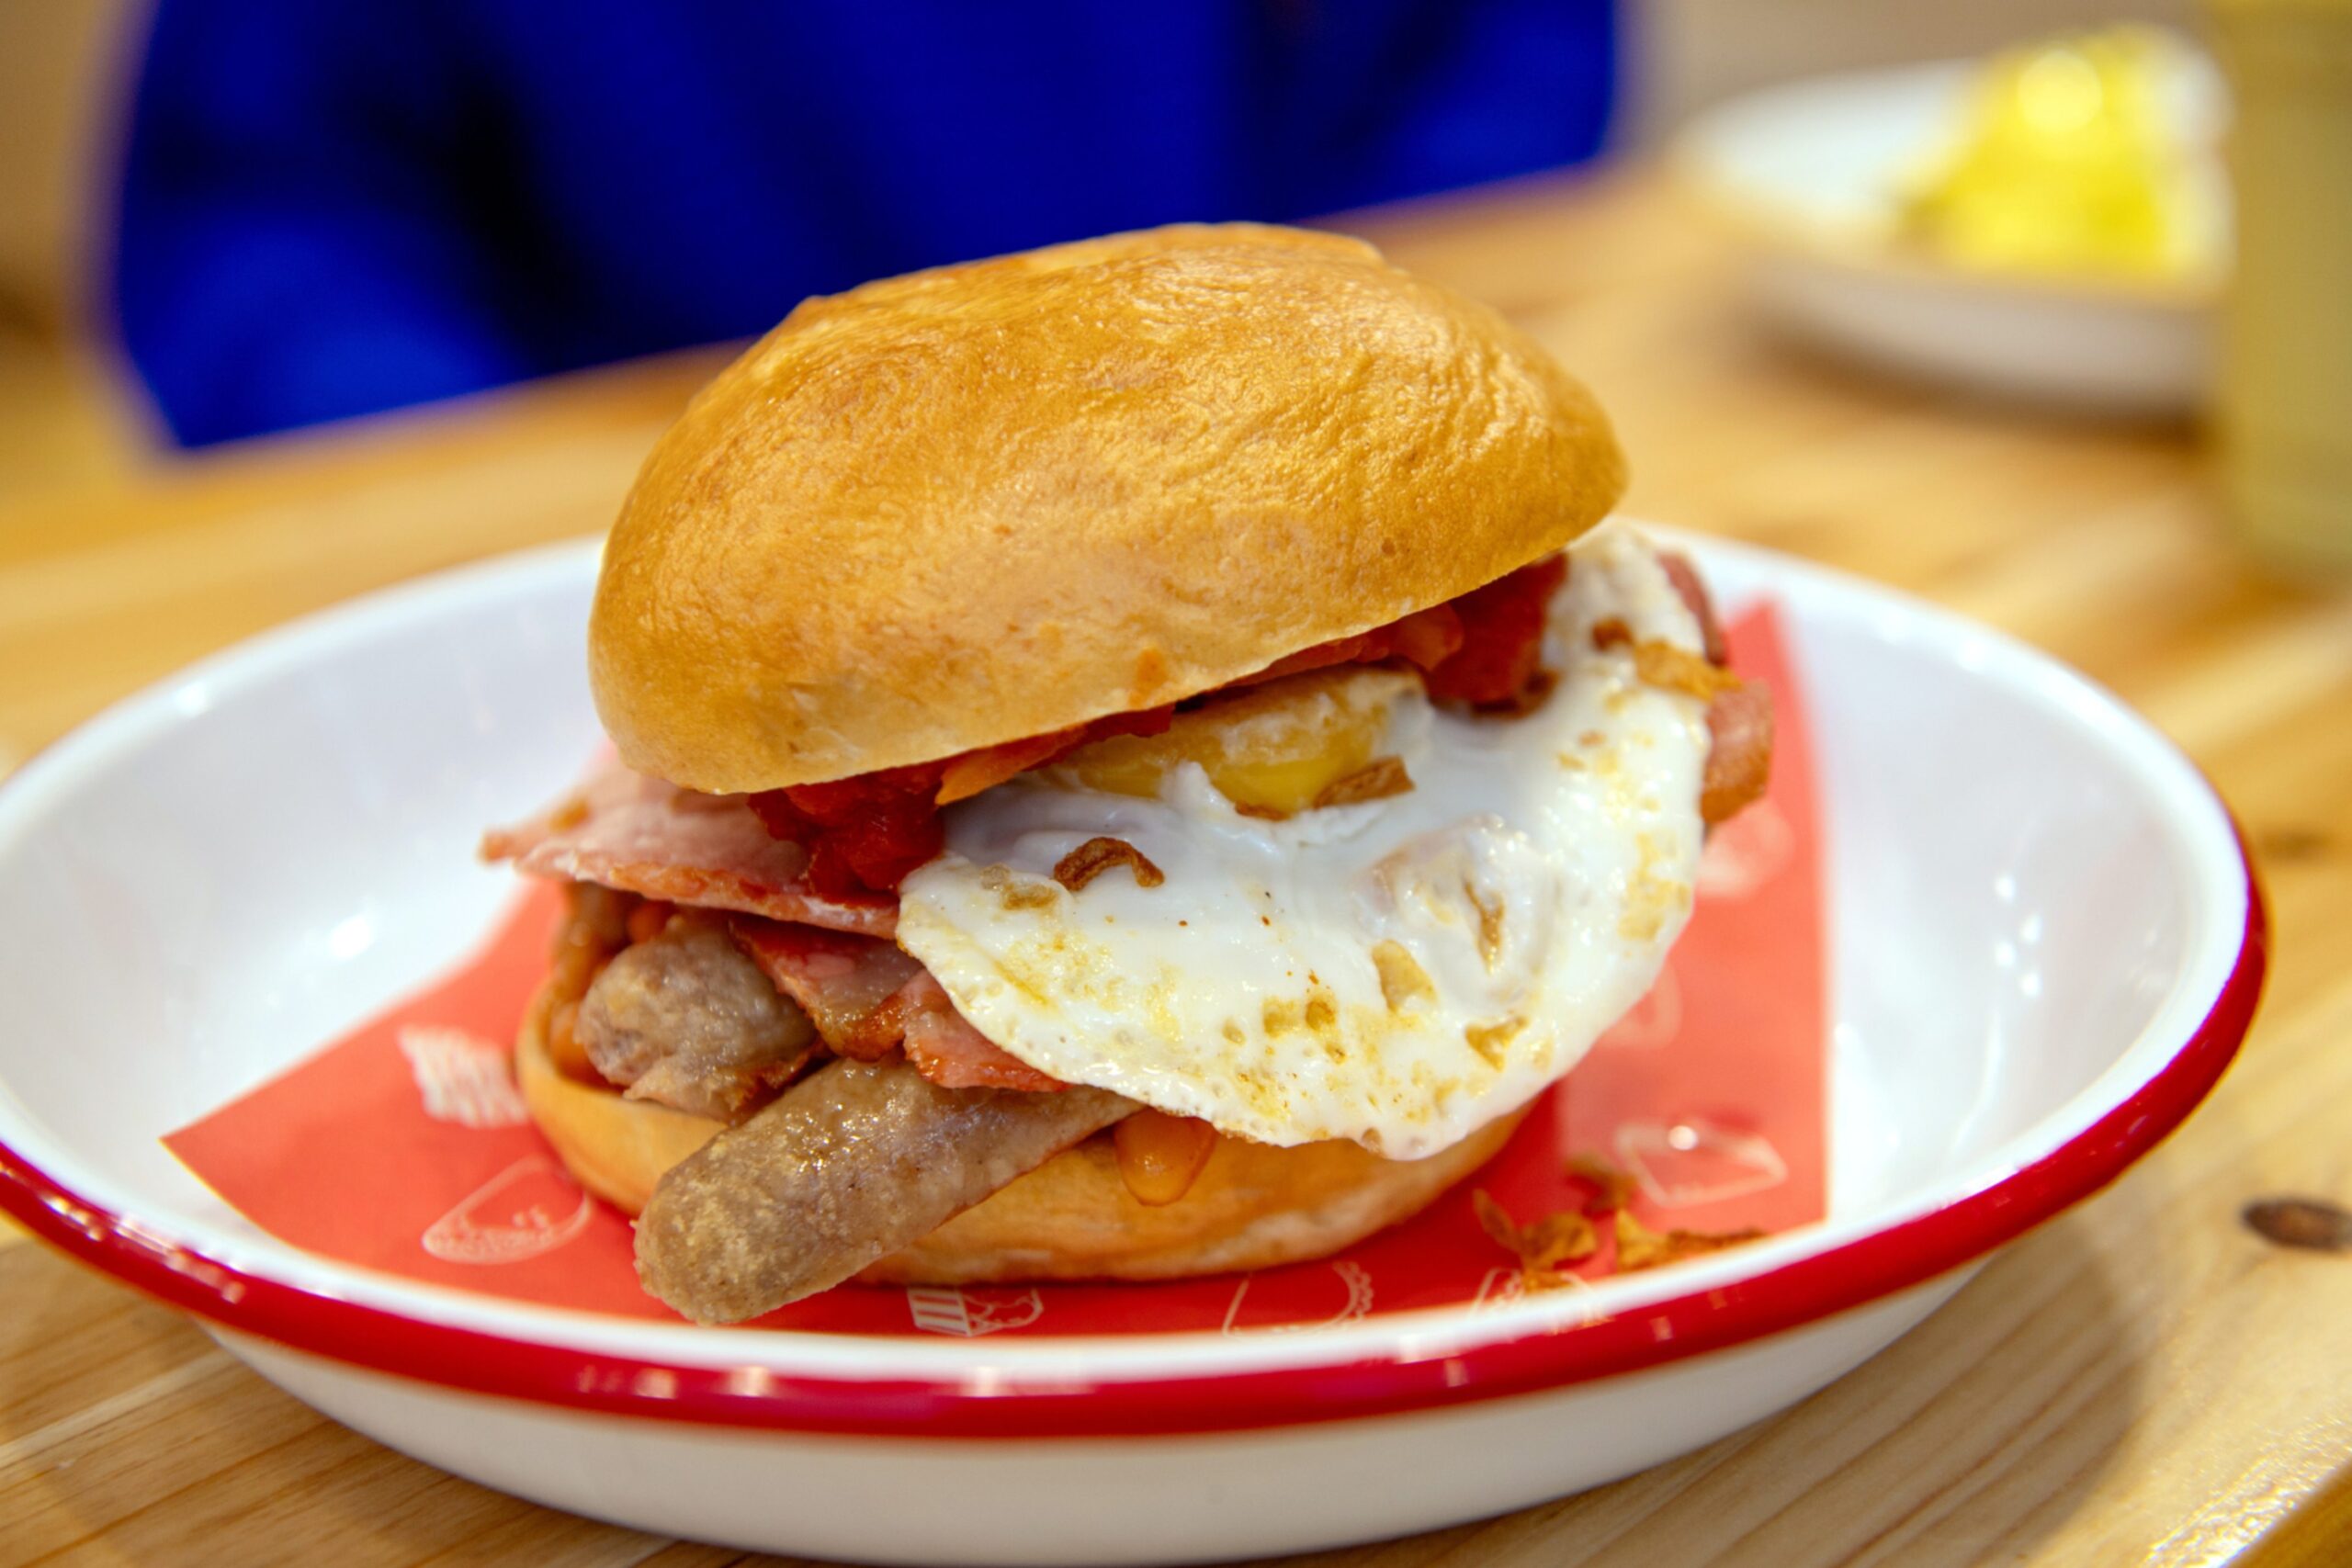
974,504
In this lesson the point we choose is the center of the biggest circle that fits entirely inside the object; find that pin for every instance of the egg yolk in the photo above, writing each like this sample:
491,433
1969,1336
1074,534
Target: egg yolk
1271,749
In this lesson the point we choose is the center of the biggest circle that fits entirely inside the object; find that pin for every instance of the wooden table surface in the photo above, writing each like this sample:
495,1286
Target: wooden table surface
2144,1378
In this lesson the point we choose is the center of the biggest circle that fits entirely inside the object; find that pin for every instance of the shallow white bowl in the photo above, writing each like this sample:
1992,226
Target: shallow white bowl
2045,945
1808,174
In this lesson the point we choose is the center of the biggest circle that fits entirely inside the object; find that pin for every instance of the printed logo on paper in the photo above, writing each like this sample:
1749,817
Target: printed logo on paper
1500,1288
970,1311
527,1209
461,1077
1347,1297
1691,1161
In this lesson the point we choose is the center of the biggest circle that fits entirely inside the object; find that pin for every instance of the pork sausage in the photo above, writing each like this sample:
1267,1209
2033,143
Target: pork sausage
687,1020
848,1166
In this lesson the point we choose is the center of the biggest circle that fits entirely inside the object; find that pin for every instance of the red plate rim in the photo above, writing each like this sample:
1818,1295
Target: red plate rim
1819,1285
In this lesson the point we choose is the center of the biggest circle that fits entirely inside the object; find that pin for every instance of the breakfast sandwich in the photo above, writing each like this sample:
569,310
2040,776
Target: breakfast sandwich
1137,758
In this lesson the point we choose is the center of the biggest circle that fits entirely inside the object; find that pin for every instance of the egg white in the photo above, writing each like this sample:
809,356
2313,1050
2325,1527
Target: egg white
1534,877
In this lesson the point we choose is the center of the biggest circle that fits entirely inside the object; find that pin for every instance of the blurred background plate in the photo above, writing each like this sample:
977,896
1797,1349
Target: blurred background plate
1810,175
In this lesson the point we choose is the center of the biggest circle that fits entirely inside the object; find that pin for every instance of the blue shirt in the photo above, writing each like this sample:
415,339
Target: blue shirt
332,208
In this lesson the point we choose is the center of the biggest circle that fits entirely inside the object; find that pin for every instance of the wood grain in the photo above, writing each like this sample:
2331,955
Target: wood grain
2143,1380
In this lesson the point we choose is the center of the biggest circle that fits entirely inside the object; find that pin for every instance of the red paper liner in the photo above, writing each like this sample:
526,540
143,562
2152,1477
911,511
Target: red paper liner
405,1146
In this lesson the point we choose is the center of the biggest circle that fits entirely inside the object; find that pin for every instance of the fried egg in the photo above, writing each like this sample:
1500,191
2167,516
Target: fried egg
1398,968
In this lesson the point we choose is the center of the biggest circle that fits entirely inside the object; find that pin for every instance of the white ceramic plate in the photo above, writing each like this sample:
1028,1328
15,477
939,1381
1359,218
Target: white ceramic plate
2045,946
1808,175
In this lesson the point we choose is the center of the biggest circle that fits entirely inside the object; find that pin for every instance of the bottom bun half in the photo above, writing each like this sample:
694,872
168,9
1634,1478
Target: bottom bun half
1253,1205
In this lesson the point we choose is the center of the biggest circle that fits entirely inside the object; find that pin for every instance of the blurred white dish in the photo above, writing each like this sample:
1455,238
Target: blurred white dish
1810,175
2044,944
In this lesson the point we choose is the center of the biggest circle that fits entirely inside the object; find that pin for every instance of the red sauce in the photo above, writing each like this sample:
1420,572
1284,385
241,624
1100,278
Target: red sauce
863,834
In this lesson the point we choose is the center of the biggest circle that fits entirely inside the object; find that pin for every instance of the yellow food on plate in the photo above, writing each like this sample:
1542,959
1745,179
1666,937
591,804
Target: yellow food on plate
2074,158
